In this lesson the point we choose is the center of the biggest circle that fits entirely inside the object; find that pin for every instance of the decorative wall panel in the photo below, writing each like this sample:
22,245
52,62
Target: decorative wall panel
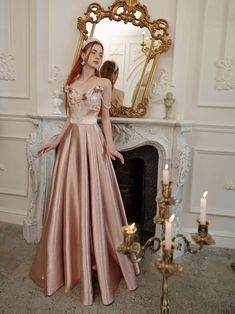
213,172
14,49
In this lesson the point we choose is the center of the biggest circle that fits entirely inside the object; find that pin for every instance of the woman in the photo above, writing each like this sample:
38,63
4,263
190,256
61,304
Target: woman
85,210
110,70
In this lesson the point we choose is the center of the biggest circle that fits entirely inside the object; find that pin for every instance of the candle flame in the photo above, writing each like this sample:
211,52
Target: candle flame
205,194
166,166
132,226
172,217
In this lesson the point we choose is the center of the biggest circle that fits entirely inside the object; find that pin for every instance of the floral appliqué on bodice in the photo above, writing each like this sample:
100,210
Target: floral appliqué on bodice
85,109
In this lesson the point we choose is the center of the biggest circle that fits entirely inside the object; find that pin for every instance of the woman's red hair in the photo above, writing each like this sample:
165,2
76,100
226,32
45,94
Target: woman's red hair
77,68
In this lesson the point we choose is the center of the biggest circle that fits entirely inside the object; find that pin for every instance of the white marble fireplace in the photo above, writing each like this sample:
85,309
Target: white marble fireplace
167,136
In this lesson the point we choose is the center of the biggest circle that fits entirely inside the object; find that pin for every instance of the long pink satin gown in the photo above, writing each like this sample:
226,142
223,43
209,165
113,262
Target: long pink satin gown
85,212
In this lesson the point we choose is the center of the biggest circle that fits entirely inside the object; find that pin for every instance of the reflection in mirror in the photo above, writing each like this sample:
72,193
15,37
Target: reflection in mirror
133,41
110,70
123,44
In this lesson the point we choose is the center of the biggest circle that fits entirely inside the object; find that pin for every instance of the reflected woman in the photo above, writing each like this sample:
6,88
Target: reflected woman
110,70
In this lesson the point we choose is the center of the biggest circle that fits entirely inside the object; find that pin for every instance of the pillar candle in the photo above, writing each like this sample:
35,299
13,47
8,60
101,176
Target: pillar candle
203,209
143,37
168,235
147,41
131,228
166,175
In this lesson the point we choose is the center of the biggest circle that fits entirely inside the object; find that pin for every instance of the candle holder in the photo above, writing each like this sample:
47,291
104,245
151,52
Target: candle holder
166,190
144,48
202,236
146,44
133,249
167,267
129,246
165,264
165,200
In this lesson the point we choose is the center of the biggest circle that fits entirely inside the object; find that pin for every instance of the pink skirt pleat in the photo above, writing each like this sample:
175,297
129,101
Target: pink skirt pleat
83,220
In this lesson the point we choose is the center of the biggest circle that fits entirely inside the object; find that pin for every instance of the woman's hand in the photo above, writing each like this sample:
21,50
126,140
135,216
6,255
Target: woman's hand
113,153
48,147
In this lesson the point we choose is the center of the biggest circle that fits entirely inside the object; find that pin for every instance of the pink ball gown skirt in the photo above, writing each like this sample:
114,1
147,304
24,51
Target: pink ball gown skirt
83,220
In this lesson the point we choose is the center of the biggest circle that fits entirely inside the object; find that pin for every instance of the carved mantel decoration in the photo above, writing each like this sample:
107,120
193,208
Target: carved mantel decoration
129,11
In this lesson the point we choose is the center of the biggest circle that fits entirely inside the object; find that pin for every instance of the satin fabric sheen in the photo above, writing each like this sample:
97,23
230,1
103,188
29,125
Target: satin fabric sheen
85,212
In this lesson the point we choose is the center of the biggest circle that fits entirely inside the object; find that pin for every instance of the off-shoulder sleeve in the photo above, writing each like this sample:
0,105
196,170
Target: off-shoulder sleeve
107,92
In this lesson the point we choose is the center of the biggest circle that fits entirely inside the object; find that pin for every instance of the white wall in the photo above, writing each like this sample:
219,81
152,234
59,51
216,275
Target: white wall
38,41
17,97
204,76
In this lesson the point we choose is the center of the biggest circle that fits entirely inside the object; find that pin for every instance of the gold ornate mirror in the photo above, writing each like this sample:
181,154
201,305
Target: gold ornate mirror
137,38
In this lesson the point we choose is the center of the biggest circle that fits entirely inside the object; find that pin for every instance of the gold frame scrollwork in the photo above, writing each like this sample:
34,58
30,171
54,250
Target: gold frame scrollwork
129,11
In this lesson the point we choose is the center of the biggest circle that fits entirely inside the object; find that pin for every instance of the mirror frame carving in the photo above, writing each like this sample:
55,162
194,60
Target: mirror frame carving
129,8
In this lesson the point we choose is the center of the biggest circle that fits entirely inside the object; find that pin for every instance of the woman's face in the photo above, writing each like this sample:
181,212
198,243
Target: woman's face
93,56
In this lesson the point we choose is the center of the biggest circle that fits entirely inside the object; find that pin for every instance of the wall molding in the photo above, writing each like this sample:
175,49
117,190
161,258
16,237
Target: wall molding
225,74
9,60
12,215
213,128
9,191
7,67
14,192
214,151
213,212
210,211
221,77
14,117
14,138
160,87
50,42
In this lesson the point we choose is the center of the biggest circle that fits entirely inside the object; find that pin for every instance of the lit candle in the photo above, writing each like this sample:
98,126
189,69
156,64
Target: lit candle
143,37
166,175
147,41
203,209
168,236
130,229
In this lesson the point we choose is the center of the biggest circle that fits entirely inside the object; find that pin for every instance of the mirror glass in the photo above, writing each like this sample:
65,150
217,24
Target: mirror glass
122,43
134,42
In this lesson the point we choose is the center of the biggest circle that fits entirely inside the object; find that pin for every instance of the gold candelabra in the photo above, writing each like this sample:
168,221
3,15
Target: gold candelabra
165,263
146,43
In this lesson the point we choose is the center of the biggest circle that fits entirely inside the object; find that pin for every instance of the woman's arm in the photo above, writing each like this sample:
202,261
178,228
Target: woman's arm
110,150
56,142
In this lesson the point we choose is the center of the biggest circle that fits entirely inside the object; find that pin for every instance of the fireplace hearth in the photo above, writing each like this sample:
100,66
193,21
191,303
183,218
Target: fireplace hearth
137,180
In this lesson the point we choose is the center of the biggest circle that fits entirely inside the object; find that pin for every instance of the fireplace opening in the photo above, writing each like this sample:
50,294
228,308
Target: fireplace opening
137,180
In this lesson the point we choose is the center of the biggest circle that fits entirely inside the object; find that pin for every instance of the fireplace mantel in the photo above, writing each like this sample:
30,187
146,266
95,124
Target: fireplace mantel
168,136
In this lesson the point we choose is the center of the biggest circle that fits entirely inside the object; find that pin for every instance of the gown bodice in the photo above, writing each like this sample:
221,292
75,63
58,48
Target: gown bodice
85,109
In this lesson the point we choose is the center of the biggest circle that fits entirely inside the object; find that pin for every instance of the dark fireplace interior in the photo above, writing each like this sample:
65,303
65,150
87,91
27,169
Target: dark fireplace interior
137,180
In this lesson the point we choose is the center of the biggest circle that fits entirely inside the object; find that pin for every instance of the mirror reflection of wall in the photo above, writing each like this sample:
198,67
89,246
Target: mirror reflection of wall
122,43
